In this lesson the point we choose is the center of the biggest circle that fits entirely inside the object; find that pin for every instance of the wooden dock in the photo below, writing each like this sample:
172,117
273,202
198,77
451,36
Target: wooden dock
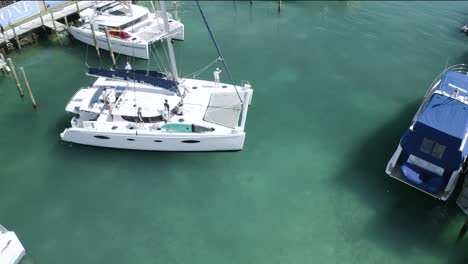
35,22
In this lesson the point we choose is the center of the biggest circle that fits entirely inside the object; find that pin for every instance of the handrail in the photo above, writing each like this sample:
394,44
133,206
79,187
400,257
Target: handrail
462,68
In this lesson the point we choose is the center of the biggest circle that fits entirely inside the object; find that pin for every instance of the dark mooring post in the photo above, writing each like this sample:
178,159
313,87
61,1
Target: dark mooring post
279,6
462,232
251,2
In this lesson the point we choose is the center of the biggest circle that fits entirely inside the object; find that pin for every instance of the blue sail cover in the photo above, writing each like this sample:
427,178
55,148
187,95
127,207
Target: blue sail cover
141,76
436,137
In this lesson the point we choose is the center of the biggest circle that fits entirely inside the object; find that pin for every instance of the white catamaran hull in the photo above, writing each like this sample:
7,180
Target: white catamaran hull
172,142
129,48
138,48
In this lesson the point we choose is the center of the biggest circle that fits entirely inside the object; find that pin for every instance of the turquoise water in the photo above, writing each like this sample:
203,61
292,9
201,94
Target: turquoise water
336,84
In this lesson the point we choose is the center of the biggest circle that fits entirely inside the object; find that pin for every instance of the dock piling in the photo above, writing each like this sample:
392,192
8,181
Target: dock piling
18,85
96,45
42,21
175,10
16,37
462,232
28,87
66,22
77,7
152,5
110,47
55,28
279,6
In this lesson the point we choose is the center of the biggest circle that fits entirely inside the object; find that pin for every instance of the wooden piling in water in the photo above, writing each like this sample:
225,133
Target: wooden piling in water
66,22
279,6
110,47
28,87
18,85
55,28
96,45
16,37
462,232
152,5
175,10
77,7
42,21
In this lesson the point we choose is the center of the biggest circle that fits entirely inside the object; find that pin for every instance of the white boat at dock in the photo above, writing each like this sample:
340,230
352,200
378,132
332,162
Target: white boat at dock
432,152
132,28
11,250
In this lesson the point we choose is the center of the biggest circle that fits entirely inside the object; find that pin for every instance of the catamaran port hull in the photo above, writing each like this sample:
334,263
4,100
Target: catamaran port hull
140,141
139,48
129,48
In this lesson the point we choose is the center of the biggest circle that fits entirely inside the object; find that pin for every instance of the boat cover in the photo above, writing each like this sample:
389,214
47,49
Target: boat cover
148,77
436,137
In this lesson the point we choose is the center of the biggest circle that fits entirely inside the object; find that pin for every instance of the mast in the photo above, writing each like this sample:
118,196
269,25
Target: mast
175,77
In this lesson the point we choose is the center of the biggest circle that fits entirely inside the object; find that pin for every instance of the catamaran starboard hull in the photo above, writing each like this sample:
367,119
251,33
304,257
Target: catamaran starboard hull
137,141
125,47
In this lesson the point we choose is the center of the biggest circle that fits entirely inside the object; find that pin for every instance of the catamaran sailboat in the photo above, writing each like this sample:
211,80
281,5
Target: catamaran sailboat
11,250
433,150
150,110
132,28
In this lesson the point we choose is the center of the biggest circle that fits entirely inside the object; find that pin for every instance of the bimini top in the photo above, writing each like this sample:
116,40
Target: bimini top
445,113
148,77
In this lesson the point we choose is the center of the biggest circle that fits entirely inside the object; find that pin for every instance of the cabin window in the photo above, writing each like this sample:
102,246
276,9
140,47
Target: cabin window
438,150
102,137
426,146
190,141
432,148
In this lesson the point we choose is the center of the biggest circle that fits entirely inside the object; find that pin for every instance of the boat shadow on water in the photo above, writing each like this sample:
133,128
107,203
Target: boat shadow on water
406,220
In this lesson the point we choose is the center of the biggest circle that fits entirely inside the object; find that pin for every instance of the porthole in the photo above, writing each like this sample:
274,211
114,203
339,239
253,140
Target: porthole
190,141
181,120
224,86
157,141
102,137
114,127
130,139
194,87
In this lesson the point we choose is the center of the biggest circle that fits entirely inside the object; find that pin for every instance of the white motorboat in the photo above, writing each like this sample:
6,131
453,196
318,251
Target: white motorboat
432,152
150,110
131,28
11,250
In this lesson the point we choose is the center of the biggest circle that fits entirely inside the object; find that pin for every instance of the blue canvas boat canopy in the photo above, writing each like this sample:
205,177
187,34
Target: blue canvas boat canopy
447,114
149,77
431,150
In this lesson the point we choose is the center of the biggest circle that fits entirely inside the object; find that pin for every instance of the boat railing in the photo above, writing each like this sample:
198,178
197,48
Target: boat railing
461,68
3,229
